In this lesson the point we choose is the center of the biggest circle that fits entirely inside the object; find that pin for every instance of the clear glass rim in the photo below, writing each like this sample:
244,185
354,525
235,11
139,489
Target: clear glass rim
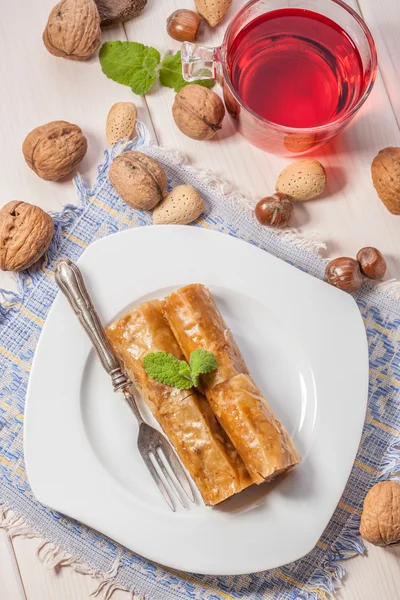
320,128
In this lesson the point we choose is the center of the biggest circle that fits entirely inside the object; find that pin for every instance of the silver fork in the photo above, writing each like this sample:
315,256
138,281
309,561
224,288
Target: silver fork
154,448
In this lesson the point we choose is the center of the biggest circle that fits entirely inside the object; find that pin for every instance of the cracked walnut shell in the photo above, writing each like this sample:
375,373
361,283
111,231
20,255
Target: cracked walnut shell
25,234
55,149
138,179
198,112
380,520
73,29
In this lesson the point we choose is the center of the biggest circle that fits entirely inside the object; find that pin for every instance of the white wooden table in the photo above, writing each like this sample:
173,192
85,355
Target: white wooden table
37,88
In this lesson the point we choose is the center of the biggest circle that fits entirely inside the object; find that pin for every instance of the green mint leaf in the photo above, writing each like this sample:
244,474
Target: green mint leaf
201,362
165,368
130,63
171,73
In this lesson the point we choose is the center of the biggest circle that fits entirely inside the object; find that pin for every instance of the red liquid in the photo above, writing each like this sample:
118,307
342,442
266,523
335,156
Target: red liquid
296,68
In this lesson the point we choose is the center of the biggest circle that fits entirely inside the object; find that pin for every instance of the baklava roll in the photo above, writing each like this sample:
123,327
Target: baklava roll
184,415
258,436
243,412
197,323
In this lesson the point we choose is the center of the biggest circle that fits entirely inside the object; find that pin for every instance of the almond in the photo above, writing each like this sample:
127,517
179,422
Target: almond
302,180
213,11
121,121
182,206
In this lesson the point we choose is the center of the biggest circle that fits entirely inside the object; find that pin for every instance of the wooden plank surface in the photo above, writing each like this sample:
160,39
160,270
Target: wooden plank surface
50,584
383,18
11,586
37,88
375,576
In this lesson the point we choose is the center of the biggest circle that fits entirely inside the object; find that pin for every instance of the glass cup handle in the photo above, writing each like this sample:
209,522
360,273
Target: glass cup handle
200,62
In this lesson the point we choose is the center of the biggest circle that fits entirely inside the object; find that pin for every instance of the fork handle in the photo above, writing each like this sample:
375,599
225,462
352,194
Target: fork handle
70,281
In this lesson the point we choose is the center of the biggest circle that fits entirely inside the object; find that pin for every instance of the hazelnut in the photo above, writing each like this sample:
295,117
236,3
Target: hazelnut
138,179
385,171
25,234
183,25
275,210
344,273
380,519
198,112
54,150
372,262
302,180
73,29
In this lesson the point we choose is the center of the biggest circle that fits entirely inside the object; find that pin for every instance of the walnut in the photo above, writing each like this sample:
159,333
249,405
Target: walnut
138,179
380,520
198,112
25,234
385,171
118,11
73,29
55,149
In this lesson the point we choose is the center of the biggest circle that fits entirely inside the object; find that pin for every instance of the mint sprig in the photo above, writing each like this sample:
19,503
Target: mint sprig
137,66
167,369
131,64
201,362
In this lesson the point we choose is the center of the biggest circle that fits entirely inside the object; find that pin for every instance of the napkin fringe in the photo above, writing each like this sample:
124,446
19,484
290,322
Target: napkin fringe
321,587
53,557
390,287
308,241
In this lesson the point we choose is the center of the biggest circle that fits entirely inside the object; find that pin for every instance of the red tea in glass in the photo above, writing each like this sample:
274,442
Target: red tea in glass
296,68
292,76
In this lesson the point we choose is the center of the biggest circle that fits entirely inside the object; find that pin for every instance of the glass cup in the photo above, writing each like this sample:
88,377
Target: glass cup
203,62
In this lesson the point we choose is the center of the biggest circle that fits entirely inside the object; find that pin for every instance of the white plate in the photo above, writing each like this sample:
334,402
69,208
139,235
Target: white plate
305,345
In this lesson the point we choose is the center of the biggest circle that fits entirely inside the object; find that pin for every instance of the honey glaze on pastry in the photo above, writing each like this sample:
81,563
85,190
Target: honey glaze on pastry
243,412
256,433
197,323
184,415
